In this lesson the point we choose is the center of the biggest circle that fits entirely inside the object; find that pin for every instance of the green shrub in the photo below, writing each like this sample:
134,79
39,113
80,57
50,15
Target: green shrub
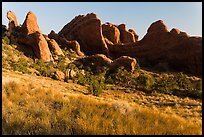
5,40
21,65
68,53
118,76
164,85
145,81
96,85
44,68
183,82
179,85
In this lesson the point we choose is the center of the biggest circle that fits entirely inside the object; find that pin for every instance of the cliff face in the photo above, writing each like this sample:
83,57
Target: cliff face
87,30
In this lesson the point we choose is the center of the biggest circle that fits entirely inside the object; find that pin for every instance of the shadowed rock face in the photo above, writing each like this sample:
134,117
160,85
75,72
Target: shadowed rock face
30,35
72,44
175,48
87,31
111,32
127,36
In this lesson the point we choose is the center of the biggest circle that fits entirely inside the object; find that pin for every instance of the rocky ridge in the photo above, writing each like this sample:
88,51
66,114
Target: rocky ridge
86,35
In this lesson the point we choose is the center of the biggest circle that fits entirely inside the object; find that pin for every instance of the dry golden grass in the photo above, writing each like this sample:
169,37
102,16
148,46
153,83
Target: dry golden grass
29,110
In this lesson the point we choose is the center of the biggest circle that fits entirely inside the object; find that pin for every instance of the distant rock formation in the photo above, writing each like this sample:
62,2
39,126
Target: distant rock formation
87,30
127,36
111,32
177,50
180,51
4,30
118,34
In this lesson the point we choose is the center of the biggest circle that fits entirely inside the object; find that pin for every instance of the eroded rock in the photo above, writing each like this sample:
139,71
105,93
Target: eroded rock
126,36
30,35
87,30
55,47
111,32
13,22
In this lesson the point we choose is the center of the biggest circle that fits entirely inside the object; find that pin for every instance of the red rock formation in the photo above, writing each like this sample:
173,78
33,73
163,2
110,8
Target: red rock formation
176,49
134,33
126,36
31,35
12,21
71,44
87,31
54,36
55,47
111,32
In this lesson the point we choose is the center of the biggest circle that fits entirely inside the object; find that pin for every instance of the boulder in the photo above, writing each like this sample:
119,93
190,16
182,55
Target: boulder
97,60
124,61
59,75
73,44
55,47
111,32
70,74
87,30
54,36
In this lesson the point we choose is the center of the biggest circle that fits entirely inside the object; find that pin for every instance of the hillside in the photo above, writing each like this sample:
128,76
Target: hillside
104,82
172,109
177,115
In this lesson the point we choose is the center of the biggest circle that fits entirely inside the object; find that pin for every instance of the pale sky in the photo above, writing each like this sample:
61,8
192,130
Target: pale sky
187,16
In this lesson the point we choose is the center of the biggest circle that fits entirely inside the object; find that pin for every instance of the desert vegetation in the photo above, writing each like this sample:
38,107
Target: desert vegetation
31,110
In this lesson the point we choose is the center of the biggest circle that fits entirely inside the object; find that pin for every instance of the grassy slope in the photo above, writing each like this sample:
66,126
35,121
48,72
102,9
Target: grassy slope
36,107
